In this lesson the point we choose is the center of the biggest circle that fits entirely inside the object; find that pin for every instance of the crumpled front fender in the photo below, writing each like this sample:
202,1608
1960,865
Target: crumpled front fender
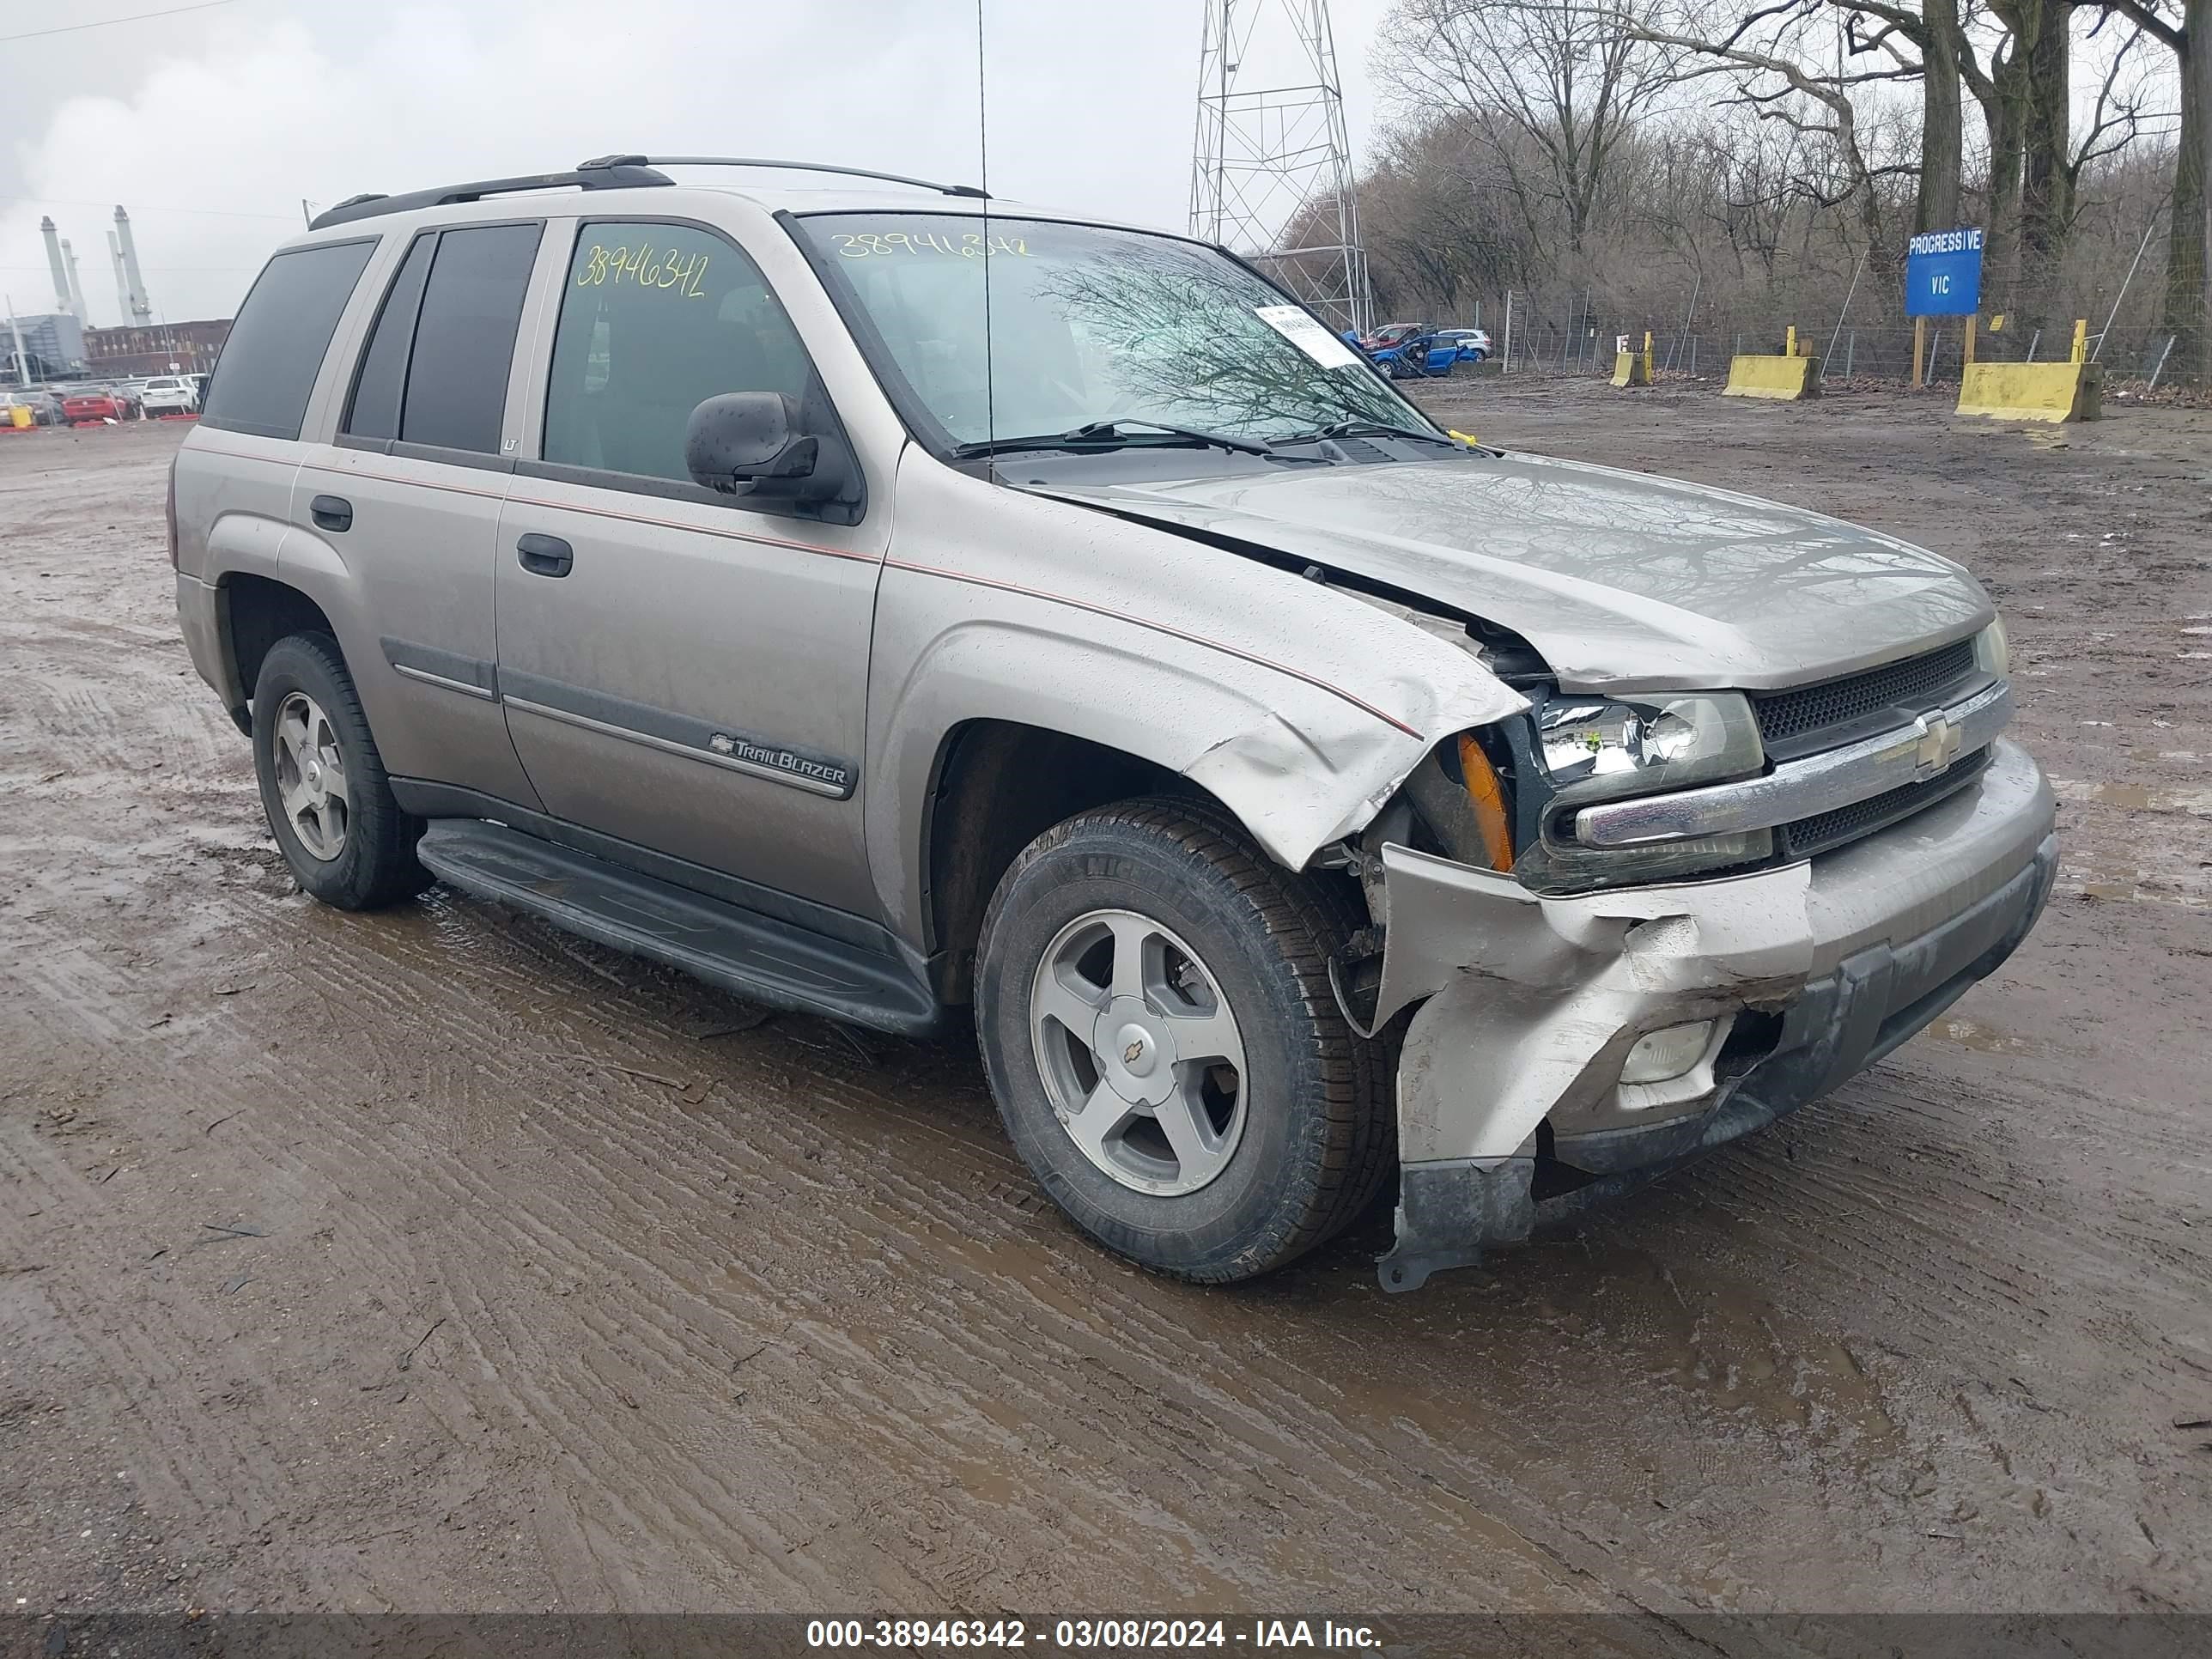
1298,786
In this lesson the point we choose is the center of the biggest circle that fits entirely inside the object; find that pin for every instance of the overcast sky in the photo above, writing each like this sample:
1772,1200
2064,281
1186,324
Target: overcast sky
212,125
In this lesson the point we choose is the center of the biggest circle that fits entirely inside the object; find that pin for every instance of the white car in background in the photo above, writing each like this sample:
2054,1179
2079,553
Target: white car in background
1473,343
169,394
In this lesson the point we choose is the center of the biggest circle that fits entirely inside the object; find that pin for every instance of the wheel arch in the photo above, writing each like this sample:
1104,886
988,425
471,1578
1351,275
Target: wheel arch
255,612
996,785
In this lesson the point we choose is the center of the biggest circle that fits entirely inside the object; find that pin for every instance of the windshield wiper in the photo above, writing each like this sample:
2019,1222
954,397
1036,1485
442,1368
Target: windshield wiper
1369,429
1101,435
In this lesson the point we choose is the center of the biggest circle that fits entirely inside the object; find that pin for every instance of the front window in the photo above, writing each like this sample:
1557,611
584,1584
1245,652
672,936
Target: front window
656,318
1088,324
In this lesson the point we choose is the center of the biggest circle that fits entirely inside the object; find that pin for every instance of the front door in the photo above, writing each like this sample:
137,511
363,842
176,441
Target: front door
683,671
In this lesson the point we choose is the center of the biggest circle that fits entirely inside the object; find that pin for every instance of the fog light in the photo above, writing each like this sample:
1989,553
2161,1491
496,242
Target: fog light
1667,1054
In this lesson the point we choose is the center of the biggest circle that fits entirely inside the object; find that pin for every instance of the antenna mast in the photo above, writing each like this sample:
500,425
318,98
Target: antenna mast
1271,173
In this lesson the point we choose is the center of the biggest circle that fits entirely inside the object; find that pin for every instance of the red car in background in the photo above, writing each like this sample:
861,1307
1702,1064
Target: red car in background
81,407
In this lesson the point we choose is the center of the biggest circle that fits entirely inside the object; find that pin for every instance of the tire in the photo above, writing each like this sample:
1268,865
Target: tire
363,854
1289,1155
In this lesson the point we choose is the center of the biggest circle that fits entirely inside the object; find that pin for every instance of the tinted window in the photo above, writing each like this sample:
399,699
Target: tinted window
375,410
464,337
277,345
655,320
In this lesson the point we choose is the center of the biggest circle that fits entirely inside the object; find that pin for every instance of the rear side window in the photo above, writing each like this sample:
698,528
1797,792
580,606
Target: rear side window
456,378
374,412
276,347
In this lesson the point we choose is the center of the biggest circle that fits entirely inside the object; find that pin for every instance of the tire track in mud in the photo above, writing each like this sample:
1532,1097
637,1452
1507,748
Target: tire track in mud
900,1227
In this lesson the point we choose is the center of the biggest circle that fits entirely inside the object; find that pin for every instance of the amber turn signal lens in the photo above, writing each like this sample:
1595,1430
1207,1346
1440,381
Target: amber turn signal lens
1487,797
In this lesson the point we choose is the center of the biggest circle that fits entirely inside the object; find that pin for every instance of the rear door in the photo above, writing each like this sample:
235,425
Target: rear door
683,671
406,498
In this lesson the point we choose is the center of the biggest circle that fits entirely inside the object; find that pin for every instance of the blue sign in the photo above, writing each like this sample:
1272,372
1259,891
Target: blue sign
1944,274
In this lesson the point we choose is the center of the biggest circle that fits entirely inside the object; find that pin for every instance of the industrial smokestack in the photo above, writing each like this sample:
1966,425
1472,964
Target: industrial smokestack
141,308
76,288
122,281
54,262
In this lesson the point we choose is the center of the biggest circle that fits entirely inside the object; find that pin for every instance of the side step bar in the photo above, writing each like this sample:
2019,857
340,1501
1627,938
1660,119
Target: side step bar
758,957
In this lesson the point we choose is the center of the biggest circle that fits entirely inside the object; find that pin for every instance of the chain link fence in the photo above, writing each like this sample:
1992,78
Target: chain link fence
2145,353
1853,320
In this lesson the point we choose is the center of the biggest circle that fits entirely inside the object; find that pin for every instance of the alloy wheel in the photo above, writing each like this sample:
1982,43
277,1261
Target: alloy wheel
311,779
1139,1051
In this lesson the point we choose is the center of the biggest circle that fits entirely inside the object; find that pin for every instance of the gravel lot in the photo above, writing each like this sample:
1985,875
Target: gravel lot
431,1259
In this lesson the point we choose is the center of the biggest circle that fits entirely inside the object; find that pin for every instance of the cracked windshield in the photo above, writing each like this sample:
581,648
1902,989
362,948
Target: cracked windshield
1090,325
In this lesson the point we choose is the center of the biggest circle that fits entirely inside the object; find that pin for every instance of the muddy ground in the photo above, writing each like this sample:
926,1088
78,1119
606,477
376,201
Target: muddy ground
431,1259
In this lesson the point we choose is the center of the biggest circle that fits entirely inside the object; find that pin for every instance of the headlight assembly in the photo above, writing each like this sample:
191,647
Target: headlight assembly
1993,651
1597,748
1594,748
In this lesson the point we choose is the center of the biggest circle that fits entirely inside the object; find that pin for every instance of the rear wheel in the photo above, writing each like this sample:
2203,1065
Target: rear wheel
323,783
1153,1005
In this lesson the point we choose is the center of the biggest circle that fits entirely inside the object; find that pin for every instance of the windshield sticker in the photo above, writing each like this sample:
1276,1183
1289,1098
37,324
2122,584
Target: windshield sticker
1295,324
868,243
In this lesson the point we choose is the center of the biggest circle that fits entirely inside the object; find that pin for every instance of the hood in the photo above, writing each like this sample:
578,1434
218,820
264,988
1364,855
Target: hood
1622,582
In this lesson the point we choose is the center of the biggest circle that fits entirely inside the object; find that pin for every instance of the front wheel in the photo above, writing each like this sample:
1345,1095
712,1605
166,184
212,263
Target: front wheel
1153,1005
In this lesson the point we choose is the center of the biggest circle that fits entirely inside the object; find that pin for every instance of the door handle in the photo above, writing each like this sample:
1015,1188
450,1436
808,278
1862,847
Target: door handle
544,556
331,513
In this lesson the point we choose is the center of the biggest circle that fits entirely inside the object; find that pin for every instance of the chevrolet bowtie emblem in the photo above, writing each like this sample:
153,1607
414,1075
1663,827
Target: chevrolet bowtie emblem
1937,746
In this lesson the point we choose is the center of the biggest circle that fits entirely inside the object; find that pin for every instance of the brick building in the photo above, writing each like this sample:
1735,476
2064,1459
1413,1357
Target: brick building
154,348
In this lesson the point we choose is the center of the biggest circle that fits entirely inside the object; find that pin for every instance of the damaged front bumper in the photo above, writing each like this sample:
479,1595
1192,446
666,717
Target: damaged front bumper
1511,1110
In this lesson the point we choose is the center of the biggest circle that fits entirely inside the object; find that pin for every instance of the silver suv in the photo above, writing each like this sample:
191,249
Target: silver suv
911,608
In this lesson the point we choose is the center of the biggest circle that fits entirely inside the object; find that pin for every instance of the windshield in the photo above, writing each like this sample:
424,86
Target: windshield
1088,324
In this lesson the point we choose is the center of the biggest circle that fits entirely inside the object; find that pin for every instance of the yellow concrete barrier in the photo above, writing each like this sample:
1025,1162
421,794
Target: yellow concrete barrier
1786,378
1630,368
2033,391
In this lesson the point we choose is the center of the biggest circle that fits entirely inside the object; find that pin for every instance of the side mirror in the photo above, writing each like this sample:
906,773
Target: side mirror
757,442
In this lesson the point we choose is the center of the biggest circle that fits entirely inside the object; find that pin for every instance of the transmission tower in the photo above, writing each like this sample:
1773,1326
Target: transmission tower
1271,176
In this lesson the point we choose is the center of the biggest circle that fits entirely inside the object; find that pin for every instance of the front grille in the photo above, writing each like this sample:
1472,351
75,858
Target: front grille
1827,830
1816,717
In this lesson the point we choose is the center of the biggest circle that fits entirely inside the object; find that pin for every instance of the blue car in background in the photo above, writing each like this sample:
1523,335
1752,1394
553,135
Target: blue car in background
1409,350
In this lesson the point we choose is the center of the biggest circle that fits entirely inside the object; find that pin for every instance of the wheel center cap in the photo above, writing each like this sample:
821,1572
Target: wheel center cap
1136,1050
315,772
1139,1052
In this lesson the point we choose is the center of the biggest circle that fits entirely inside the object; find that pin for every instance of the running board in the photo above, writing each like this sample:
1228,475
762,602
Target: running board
757,957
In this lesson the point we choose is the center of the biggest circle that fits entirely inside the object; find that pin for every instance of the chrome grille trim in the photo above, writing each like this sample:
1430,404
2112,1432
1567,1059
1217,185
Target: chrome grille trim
1806,788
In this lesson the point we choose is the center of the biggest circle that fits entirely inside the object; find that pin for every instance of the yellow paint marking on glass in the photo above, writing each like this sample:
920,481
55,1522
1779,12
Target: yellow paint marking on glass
671,272
866,244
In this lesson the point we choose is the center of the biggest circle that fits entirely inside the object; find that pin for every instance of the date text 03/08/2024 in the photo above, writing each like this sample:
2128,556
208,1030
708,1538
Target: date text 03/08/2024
1166,1635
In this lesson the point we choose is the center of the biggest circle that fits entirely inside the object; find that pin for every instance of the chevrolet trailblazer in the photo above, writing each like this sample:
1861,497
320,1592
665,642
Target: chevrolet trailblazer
911,608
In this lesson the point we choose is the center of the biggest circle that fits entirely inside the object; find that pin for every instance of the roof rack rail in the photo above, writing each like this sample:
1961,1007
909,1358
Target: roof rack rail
614,172
793,167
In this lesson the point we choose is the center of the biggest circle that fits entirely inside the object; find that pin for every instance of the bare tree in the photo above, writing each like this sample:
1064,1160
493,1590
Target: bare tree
1771,57
2185,29
1937,39
1769,159
1551,91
